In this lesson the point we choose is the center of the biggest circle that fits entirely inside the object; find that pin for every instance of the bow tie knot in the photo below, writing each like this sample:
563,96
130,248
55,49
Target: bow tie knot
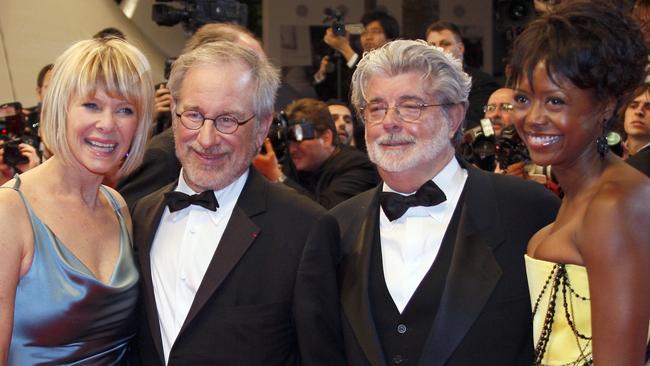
179,200
395,204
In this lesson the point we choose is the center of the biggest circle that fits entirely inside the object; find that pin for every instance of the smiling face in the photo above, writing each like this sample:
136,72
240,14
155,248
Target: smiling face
637,119
397,146
211,159
558,122
99,130
342,117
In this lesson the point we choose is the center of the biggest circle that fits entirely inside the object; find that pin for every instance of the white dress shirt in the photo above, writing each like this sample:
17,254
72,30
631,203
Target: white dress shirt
181,252
410,244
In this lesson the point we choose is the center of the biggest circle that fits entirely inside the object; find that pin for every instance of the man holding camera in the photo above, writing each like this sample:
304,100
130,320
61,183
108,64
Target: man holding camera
325,170
378,28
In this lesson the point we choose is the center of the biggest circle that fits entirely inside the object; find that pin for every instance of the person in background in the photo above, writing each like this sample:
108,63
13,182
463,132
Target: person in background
325,170
343,120
432,269
589,270
636,123
447,36
68,280
378,28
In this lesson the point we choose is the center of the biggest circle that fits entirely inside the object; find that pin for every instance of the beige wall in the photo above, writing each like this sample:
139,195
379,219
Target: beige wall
35,32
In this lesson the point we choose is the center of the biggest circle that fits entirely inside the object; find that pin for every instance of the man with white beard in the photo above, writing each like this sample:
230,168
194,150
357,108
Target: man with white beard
432,264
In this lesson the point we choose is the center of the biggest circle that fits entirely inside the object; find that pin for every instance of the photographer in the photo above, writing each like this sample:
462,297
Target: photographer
378,29
325,170
8,171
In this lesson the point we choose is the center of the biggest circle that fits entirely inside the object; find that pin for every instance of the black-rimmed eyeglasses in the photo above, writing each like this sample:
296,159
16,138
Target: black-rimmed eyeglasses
224,123
375,112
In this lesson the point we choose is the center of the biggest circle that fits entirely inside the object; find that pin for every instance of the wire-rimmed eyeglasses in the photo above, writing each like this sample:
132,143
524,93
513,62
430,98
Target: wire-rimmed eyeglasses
375,112
224,123
507,107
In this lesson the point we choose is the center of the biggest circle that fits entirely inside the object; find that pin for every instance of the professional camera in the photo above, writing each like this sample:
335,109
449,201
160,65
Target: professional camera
510,148
514,13
283,131
13,133
195,13
479,145
335,17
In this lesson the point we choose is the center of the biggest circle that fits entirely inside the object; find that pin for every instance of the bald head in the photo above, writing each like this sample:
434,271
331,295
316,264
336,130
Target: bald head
499,109
215,32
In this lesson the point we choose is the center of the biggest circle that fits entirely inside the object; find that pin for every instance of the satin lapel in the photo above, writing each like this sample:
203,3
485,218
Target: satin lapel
354,286
473,272
237,238
153,209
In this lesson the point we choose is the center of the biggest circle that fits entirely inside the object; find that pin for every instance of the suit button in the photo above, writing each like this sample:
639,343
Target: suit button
401,329
398,359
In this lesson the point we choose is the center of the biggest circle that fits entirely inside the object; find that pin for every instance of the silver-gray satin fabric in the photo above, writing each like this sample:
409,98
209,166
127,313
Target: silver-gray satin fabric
63,315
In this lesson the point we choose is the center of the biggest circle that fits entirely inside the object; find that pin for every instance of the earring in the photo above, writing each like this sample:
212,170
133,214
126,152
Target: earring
601,143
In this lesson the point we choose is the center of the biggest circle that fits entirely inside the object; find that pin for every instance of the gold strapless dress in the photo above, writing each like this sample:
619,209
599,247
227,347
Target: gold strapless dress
560,291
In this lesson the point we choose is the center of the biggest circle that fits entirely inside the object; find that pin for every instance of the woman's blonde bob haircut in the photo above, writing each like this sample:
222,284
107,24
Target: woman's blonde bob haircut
87,65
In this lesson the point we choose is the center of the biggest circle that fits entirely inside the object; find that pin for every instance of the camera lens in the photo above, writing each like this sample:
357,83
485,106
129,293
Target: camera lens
518,11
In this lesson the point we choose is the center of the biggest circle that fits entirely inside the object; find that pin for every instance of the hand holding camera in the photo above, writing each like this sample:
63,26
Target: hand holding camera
16,157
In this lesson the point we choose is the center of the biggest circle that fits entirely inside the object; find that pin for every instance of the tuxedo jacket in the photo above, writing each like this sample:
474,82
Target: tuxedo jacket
484,315
269,296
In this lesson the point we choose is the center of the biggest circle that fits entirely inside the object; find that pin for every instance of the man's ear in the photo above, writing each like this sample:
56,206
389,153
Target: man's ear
456,115
263,129
327,137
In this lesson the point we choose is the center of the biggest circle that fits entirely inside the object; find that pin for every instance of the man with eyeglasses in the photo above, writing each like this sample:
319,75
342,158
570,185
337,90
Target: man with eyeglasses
432,266
235,270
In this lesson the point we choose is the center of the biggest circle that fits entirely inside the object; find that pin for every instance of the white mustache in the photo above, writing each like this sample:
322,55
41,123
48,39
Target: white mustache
395,138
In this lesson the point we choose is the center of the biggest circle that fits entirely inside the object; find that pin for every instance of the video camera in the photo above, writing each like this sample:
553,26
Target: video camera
13,133
511,148
195,13
335,16
283,131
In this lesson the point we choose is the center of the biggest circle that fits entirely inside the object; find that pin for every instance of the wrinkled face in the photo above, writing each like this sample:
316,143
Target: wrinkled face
211,159
499,109
99,130
558,122
343,120
637,118
309,155
446,40
399,146
373,36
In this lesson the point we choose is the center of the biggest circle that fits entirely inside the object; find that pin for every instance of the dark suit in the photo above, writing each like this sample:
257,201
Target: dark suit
269,295
641,160
346,173
484,314
160,166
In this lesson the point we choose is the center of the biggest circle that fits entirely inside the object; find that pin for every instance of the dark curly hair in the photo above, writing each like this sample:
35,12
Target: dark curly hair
592,43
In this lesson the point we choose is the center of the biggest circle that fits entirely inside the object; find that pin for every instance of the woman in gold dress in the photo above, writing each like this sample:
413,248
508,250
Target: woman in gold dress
589,271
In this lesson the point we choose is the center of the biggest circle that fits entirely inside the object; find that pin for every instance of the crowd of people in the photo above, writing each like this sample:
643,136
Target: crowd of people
198,222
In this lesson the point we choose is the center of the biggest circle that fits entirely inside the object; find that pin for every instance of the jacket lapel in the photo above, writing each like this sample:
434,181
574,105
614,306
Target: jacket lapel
473,273
237,238
354,286
154,209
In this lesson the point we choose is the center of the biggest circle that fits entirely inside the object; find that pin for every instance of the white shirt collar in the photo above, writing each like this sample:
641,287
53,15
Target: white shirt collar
450,179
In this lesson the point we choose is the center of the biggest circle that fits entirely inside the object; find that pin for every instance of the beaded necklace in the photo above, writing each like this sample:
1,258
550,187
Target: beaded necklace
557,280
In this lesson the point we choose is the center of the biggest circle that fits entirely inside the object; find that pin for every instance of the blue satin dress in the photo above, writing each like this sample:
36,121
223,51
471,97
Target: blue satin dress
63,315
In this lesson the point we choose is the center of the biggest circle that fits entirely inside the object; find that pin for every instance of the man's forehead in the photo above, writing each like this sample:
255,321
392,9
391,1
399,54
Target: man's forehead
375,25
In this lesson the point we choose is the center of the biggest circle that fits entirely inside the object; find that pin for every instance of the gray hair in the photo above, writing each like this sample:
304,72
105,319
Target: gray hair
442,74
265,76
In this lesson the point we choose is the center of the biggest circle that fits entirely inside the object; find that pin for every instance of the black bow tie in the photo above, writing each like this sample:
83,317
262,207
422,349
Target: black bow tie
395,204
179,200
